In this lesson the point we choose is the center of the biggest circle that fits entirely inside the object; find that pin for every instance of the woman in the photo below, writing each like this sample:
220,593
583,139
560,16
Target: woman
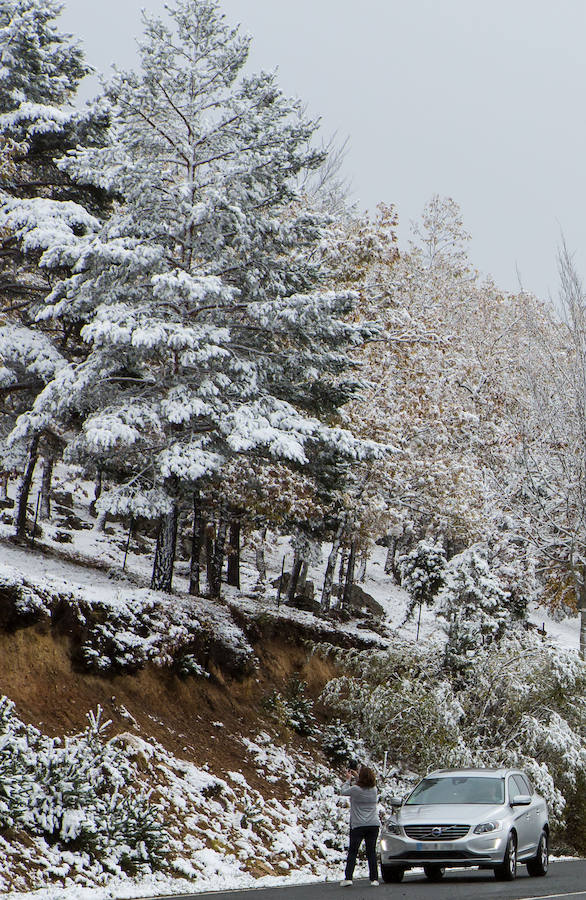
364,820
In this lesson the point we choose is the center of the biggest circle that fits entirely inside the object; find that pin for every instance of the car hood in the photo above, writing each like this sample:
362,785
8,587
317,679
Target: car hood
447,813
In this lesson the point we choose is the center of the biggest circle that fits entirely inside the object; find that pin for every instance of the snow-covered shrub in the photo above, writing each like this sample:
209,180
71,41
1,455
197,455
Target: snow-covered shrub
188,665
293,709
422,573
79,792
523,703
341,746
473,606
398,716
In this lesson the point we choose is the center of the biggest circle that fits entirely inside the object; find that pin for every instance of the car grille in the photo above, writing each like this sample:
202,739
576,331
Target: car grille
452,855
436,832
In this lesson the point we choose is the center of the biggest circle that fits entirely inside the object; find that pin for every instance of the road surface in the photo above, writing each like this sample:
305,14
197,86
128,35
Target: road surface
565,881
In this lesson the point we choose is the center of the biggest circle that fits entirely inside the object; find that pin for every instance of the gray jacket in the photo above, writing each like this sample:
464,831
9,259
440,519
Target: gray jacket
363,805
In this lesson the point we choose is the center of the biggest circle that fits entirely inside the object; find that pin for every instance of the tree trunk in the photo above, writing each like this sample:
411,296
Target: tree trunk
349,583
234,555
326,594
162,578
25,488
342,571
294,579
197,538
45,510
218,558
582,610
302,576
210,533
363,564
3,487
261,563
390,567
97,492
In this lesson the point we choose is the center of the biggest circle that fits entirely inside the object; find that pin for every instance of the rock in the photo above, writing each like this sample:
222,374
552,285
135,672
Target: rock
62,499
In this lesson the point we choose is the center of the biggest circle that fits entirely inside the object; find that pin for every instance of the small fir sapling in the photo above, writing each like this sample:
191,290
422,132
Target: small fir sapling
80,790
423,573
473,607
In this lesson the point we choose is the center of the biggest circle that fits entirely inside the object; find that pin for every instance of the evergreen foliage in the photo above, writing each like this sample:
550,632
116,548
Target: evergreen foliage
473,606
422,573
340,745
40,207
80,792
293,708
39,64
209,330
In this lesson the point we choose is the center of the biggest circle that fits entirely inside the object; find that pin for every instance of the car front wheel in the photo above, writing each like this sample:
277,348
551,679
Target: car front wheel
507,871
539,865
392,874
434,873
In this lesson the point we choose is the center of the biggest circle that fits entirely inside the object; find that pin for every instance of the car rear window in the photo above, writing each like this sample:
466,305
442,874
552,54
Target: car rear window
458,789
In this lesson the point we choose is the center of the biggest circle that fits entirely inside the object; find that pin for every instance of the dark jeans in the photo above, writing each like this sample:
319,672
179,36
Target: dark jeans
368,834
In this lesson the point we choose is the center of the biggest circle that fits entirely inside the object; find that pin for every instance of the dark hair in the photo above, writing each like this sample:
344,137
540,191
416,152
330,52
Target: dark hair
366,777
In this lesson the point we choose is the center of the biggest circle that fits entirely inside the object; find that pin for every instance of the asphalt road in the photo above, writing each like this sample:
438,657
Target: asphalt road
565,881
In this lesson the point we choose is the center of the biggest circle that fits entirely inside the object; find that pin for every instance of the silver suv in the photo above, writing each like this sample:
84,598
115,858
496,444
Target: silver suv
491,818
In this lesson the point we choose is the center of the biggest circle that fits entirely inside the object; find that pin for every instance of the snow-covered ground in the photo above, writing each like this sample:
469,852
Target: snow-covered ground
92,583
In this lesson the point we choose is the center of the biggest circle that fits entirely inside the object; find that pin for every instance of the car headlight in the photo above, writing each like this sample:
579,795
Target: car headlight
392,827
487,827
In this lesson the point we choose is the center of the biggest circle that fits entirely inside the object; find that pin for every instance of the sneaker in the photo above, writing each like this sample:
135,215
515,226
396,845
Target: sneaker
346,883
375,883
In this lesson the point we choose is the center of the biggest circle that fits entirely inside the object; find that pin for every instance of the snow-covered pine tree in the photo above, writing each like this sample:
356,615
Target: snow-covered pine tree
40,207
209,331
422,573
473,605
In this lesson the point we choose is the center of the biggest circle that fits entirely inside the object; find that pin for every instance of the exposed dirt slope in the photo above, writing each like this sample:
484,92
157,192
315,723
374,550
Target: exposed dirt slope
37,674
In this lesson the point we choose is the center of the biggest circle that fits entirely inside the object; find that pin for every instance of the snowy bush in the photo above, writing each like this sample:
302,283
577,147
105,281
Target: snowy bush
473,606
292,709
341,746
79,792
521,704
422,573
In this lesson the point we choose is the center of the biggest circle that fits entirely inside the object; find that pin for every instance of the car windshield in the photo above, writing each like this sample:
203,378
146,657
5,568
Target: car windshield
458,789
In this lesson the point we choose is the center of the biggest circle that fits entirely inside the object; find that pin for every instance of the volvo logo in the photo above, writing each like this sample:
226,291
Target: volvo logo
436,831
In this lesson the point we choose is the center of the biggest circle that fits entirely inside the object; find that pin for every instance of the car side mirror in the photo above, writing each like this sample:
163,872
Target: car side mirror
520,800
396,802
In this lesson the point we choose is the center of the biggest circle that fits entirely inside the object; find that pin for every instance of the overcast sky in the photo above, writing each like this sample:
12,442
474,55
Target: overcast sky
479,100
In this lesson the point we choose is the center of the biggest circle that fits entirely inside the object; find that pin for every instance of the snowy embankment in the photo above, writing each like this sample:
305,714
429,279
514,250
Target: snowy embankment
222,832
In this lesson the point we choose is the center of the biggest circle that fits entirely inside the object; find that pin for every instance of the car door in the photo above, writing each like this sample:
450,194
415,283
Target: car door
534,813
523,816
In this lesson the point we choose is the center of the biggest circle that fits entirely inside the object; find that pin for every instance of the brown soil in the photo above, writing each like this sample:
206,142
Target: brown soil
36,673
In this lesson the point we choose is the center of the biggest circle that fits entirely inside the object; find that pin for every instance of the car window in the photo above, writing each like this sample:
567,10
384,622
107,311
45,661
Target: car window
525,781
458,789
517,786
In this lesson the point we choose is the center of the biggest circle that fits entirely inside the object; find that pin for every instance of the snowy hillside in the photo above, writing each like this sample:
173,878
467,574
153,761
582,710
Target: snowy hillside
221,829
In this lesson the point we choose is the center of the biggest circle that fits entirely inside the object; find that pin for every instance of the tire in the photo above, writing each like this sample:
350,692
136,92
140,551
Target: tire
507,871
538,866
392,874
434,873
